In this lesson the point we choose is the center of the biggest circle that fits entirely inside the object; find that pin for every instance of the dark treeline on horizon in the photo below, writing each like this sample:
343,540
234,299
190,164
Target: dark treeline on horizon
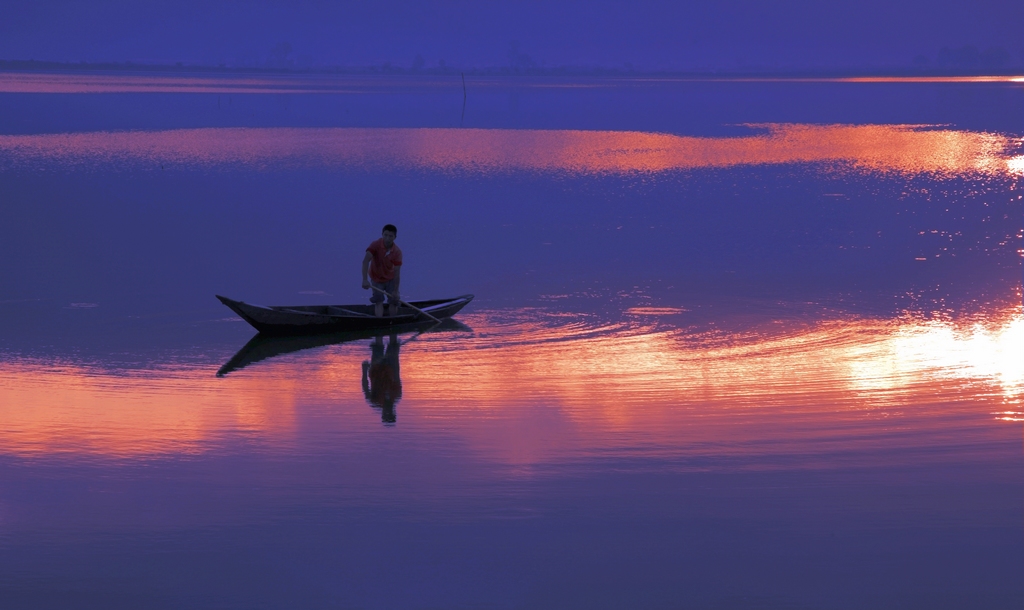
967,61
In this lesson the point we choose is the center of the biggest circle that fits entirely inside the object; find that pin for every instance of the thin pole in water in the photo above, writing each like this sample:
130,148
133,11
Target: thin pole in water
463,98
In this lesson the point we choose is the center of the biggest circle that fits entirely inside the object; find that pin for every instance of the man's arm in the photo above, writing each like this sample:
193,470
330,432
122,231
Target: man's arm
366,267
398,279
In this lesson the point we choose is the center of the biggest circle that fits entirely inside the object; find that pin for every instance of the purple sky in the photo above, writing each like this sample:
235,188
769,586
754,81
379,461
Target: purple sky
649,35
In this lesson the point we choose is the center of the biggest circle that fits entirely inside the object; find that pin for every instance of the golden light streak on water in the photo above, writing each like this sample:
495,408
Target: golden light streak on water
937,350
934,349
528,393
654,311
1015,165
908,149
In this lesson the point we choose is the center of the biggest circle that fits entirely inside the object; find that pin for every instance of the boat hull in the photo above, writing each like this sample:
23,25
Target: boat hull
318,319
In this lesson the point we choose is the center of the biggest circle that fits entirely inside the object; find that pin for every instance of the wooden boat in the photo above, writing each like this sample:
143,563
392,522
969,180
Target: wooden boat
316,319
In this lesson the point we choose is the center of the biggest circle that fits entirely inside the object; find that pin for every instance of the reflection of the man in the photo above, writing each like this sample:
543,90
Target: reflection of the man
382,383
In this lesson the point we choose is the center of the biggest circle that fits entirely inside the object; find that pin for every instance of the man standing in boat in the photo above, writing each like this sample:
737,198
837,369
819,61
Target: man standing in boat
383,261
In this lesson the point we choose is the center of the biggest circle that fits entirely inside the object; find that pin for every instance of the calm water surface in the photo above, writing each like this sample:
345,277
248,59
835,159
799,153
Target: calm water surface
734,344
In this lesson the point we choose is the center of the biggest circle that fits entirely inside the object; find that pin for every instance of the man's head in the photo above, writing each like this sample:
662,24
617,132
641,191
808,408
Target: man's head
389,233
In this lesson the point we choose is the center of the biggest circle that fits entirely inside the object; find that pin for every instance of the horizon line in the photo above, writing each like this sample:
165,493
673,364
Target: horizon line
839,74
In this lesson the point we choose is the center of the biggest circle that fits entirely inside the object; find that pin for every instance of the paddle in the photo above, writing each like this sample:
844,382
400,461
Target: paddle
419,332
406,304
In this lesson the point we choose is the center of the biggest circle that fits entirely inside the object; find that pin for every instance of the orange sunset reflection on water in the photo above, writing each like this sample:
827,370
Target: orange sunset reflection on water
527,392
78,409
907,149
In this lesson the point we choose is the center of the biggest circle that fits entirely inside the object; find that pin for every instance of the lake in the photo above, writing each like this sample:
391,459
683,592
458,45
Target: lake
734,343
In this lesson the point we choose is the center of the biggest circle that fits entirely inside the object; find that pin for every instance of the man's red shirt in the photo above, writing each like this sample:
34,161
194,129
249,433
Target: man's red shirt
382,267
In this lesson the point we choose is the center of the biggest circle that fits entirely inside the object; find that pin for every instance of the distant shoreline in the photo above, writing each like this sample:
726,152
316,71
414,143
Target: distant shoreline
32,65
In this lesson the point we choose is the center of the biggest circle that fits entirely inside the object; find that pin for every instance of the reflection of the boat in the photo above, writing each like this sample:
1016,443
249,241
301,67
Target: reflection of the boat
263,346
